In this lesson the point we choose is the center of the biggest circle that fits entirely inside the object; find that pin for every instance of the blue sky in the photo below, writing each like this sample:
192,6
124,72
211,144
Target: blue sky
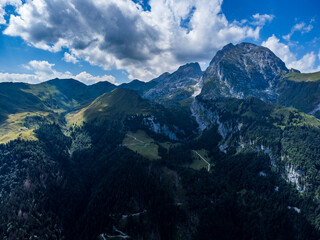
120,40
287,13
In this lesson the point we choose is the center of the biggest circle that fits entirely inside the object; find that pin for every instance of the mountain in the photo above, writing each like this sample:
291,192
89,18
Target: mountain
118,103
138,86
176,87
24,107
128,107
229,153
99,88
68,94
20,111
250,120
243,70
14,98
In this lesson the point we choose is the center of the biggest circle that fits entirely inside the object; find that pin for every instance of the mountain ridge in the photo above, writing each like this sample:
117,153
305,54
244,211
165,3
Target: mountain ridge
157,161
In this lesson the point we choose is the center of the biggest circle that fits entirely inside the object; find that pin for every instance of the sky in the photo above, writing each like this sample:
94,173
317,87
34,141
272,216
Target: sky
122,40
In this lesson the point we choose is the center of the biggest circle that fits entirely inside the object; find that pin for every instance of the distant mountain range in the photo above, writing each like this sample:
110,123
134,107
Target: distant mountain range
236,71
229,153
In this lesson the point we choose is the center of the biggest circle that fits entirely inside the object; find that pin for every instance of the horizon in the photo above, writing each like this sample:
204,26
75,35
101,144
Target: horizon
131,80
42,40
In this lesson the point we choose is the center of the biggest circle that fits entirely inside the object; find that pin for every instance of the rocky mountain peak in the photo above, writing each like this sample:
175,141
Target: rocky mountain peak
161,77
222,52
243,70
190,69
176,86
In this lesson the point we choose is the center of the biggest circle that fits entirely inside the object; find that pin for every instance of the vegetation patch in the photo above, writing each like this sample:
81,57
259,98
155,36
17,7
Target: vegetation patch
75,118
141,143
168,145
291,117
303,77
200,160
21,125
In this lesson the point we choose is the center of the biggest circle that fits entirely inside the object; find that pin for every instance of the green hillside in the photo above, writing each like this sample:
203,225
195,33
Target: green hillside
303,77
59,95
22,104
253,109
141,143
118,103
67,94
300,91
15,99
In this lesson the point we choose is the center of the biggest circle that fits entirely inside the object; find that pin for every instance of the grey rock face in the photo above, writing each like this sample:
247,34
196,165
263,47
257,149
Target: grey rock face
176,86
241,71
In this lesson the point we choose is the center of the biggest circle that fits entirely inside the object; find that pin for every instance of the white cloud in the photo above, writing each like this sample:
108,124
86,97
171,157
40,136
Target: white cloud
3,4
89,79
2,13
17,77
119,34
305,64
70,58
299,27
42,67
43,71
280,49
262,19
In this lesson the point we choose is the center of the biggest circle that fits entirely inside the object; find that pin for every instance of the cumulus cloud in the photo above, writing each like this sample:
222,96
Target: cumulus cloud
305,64
89,79
299,27
120,34
43,70
70,58
3,4
42,67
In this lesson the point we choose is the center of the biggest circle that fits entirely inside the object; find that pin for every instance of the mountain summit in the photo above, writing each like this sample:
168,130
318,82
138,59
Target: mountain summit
243,70
176,86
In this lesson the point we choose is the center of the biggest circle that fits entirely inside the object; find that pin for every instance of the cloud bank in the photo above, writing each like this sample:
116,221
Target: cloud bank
305,64
121,34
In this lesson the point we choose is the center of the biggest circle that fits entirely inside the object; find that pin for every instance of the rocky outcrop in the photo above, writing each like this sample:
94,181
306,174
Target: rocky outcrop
180,85
208,115
241,71
156,127
295,176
